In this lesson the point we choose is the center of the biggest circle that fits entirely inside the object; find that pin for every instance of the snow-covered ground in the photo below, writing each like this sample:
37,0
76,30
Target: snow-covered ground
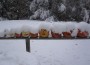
43,52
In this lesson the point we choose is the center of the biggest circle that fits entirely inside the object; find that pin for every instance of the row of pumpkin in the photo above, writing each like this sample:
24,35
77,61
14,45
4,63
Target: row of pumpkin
45,31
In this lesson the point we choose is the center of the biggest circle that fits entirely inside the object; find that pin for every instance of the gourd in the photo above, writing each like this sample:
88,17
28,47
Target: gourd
25,34
43,33
82,34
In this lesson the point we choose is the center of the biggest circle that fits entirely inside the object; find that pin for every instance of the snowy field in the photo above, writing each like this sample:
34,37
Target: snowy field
51,52
43,52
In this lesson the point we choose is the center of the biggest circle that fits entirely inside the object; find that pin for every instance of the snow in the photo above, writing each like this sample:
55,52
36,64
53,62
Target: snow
41,1
25,28
73,9
13,53
45,25
41,13
52,52
6,32
2,34
86,15
12,31
58,27
50,19
2,19
18,30
74,33
34,30
83,26
62,7
70,26
33,6
43,52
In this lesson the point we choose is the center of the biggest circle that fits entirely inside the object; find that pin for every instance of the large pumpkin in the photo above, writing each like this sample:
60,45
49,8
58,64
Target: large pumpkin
67,34
43,33
83,34
25,34
56,35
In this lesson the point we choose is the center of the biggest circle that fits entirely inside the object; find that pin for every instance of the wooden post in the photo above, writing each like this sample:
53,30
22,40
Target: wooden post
27,44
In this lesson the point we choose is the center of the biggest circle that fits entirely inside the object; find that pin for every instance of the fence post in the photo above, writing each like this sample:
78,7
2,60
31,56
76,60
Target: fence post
27,44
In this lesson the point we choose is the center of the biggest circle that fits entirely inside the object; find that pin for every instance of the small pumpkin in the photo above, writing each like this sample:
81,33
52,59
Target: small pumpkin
43,33
56,35
18,35
25,34
67,34
83,34
34,35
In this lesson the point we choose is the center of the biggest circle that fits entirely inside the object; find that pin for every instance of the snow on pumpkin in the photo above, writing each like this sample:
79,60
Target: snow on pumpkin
34,32
57,29
82,30
18,32
68,33
12,33
25,30
44,30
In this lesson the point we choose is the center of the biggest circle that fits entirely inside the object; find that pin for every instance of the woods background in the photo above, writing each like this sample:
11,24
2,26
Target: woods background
55,10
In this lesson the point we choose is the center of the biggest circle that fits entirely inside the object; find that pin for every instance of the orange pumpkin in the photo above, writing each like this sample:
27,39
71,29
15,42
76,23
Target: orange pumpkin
56,35
67,34
18,35
43,33
81,34
34,35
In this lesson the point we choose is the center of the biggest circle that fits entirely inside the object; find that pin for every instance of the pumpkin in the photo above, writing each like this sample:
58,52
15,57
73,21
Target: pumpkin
81,34
67,34
56,35
18,35
34,35
43,33
25,34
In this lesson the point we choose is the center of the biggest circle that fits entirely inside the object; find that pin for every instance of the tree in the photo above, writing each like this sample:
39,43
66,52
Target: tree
16,9
55,9
40,9
73,10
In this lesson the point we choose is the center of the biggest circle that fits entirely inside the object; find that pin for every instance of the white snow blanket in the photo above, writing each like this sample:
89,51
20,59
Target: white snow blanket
45,52
18,26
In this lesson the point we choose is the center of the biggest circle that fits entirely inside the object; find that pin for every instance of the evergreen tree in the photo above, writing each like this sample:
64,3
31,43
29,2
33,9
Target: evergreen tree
40,9
16,9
